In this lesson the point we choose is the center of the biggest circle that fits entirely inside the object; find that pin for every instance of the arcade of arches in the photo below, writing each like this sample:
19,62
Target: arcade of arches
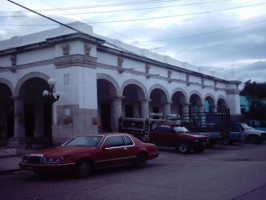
133,101
24,113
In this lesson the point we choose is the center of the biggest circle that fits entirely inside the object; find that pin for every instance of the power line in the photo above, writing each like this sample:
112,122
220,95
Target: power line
125,10
109,5
85,19
161,17
65,25
181,15
212,32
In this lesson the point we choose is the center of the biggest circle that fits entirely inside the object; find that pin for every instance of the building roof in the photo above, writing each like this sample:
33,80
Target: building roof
20,41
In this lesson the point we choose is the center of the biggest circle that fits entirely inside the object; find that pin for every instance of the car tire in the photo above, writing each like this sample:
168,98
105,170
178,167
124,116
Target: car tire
253,139
141,160
83,168
183,147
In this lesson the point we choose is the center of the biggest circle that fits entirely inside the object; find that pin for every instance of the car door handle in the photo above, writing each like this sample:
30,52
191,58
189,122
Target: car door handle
125,148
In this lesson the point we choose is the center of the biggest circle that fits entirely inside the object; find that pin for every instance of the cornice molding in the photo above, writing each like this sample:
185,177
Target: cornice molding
75,60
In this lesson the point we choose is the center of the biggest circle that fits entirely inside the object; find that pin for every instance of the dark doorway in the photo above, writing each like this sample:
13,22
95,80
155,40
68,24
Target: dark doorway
29,120
129,110
10,122
155,109
47,120
106,117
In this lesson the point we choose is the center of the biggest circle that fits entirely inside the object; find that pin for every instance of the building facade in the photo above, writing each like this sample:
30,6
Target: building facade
99,80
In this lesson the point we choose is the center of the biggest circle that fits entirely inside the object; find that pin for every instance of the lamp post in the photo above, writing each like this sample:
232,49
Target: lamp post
49,98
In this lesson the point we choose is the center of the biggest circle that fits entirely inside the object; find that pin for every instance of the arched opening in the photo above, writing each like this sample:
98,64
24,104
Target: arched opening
195,109
195,103
6,112
37,114
158,101
209,105
106,94
178,102
221,105
131,103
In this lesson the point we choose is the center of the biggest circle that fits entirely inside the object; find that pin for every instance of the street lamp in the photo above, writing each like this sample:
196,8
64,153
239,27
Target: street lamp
49,95
49,98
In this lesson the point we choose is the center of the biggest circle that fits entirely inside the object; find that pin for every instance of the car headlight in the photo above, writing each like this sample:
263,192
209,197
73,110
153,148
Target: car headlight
25,159
52,159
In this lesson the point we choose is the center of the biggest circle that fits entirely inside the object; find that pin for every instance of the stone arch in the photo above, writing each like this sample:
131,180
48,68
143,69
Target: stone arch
179,101
159,101
221,103
209,95
33,110
111,80
181,91
27,77
158,86
8,84
197,93
221,98
135,99
209,103
134,82
108,103
6,109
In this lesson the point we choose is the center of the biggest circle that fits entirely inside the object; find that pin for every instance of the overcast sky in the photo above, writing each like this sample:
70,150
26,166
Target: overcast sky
224,35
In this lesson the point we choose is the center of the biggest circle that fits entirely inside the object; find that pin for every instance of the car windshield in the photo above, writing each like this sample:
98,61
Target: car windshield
92,141
181,129
245,126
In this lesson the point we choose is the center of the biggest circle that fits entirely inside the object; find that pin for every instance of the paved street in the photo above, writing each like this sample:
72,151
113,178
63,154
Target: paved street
224,173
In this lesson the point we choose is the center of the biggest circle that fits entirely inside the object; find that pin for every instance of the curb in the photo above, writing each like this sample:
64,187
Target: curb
8,171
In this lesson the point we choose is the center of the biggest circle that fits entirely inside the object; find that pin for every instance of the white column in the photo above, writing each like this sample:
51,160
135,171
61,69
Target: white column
201,114
145,109
19,119
3,120
213,109
167,109
185,112
116,113
38,120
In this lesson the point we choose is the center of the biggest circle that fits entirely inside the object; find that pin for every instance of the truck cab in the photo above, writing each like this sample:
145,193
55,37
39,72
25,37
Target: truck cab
178,136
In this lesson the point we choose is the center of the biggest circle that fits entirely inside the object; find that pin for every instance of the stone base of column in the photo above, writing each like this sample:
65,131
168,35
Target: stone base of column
17,141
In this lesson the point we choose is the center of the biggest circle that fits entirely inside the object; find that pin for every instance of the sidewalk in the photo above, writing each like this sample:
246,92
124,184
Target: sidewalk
9,164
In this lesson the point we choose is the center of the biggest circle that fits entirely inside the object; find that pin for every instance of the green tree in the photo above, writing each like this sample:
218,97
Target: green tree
256,95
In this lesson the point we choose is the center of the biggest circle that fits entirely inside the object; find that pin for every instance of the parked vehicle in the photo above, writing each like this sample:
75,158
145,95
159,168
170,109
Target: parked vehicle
251,134
178,136
236,135
81,154
216,125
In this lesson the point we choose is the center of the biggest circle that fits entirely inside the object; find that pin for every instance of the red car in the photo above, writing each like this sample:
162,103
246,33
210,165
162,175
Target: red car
81,154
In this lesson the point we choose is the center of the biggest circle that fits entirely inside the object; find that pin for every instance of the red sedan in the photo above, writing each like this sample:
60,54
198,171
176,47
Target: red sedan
81,154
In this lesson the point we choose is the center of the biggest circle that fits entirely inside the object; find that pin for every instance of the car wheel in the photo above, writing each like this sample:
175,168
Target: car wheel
141,160
253,139
83,168
183,147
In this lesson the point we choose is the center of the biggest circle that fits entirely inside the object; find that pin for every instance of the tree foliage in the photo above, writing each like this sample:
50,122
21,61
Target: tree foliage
256,95
254,90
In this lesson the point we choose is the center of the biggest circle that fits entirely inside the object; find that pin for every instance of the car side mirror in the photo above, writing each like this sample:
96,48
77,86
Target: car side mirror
105,146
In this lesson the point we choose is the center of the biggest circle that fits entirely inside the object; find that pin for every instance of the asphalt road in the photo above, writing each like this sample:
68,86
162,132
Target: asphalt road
224,173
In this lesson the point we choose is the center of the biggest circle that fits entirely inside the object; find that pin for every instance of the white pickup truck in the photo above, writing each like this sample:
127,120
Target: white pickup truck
251,134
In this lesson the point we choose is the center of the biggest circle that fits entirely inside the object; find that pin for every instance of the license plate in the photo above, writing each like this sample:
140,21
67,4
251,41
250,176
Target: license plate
31,169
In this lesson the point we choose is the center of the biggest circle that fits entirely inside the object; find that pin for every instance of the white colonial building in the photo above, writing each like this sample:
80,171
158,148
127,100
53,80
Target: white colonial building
98,79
